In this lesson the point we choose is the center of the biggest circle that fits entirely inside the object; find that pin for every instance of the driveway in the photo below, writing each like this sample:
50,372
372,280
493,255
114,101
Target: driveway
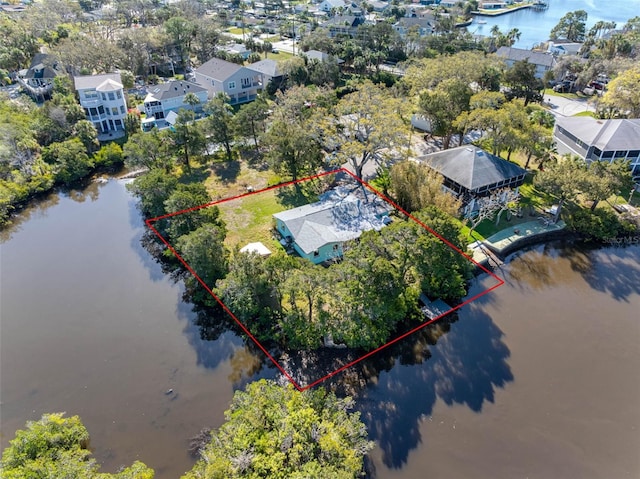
562,106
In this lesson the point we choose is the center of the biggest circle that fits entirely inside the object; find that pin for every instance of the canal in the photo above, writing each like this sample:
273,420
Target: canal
538,378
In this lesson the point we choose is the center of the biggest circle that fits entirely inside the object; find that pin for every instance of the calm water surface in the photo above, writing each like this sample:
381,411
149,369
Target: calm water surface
537,379
535,25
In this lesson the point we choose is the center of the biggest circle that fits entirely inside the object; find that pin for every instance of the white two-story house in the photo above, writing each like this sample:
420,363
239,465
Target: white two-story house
167,97
240,83
102,97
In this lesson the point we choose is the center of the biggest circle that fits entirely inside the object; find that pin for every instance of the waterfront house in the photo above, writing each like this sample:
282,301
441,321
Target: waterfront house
240,83
469,172
543,61
599,140
319,230
167,97
103,100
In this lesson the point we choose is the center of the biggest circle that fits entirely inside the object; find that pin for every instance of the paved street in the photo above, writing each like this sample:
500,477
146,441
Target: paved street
559,105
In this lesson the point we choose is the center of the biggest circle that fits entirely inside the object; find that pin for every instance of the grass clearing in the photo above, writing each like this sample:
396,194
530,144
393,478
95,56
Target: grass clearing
249,219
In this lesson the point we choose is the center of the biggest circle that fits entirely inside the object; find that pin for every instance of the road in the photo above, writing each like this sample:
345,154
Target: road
561,106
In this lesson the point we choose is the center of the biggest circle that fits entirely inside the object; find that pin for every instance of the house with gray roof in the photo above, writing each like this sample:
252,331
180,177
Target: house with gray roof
37,81
543,61
167,97
319,230
321,57
423,25
103,100
469,171
269,70
599,140
343,25
240,83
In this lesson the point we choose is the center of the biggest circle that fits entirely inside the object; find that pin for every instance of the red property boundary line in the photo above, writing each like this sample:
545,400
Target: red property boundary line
149,223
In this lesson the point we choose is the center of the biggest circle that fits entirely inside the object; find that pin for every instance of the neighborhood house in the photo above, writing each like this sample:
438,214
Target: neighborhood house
318,231
102,97
599,140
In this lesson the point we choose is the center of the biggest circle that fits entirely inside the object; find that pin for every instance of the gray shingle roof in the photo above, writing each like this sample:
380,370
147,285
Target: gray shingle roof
173,89
471,167
333,220
518,54
94,81
218,69
268,67
606,135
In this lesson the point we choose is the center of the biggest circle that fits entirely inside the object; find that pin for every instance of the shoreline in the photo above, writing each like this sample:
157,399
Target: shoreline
500,11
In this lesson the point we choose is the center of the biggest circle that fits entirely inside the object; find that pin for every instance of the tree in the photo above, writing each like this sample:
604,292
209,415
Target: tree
220,122
368,124
187,135
148,150
69,159
292,149
153,189
415,186
278,432
204,251
184,198
109,155
572,27
55,446
522,82
442,105
623,93
563,179
87,134
605,179
180,32
250,119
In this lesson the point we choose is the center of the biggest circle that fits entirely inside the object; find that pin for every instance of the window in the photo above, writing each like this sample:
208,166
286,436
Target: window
621,154
112,96
104,97
122,109
114,110
597,152
101,110
232,85
316,253
119,94
93,111
246,82
118,123
607,154
335,247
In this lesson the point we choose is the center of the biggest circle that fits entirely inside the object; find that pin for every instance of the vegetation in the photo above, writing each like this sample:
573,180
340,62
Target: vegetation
278,432
56,446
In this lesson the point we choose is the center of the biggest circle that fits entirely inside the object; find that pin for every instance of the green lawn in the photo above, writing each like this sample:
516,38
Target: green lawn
238,30
249,219
280,56
587,113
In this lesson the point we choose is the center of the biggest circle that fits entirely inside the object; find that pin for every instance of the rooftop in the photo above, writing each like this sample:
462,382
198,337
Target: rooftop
471,167
172,89
87,82
335,219
218,69
519,54
606,135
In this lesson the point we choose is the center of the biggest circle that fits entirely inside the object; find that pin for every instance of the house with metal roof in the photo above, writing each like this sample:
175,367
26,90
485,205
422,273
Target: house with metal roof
319,230
543,61
103,100
167,97
240,83
599,140
469,171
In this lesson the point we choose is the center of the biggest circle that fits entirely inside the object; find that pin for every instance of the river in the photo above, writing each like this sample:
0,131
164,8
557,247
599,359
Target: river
536,379
535,25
